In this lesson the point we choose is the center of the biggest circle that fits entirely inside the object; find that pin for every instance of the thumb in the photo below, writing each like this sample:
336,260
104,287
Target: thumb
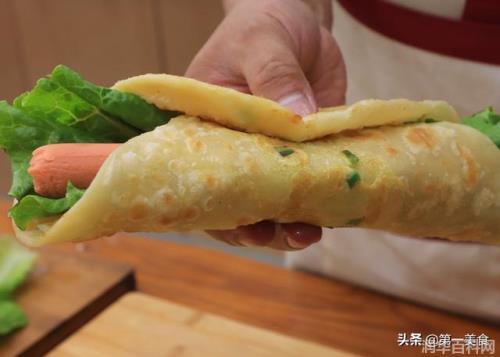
277,75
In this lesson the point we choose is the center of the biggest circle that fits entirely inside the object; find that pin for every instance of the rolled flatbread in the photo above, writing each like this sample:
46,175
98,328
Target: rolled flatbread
424,179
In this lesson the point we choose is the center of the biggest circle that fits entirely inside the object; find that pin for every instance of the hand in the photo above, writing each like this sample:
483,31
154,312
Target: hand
278,50
274,49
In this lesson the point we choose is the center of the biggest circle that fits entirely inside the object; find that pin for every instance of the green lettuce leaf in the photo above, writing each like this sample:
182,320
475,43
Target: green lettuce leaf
64,108
12,317
130,108
21,133
487,122
51,101
35,207
15,264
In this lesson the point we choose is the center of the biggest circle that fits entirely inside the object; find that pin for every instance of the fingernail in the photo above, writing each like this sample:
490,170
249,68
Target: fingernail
298,103
301,235
292,243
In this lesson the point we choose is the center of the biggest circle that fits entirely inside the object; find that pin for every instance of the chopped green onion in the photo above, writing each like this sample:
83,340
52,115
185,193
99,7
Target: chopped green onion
352,178
354,222
353,159
284,151
419,121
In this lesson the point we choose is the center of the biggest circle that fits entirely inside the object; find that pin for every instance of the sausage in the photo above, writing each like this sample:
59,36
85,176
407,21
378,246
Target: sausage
53,166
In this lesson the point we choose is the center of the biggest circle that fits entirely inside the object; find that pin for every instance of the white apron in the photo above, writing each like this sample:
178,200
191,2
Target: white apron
459,277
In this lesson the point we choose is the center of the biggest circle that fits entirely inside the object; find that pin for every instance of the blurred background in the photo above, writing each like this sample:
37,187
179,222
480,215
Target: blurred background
105,41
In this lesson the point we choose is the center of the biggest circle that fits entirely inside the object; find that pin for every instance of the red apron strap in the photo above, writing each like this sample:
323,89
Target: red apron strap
485,11
469,40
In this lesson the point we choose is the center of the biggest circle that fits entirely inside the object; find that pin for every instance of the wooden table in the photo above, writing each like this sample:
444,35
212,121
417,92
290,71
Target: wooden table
292,303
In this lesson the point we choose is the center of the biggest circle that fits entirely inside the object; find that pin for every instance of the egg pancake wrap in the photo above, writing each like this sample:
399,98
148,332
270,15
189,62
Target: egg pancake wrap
424,179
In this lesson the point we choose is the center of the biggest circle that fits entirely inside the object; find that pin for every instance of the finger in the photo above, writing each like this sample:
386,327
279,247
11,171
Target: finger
328,75
276,74
258,234
208,67
295,236
289,236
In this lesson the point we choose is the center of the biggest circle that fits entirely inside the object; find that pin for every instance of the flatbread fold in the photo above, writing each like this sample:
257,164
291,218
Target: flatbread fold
439,179
254,114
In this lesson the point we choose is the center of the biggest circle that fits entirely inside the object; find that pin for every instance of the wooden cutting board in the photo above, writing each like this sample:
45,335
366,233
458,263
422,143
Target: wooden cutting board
64,291
141,325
